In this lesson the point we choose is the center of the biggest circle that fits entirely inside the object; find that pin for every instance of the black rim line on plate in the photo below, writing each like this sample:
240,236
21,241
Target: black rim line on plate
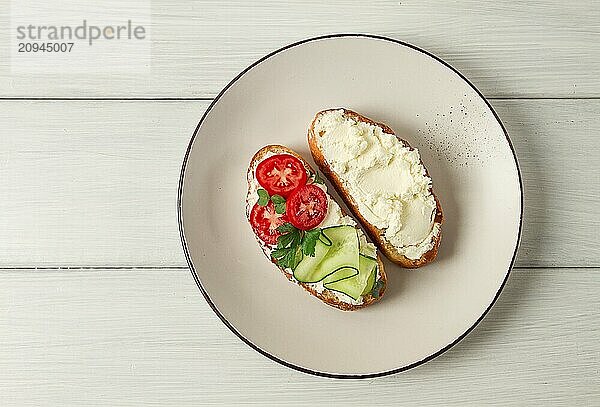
205,293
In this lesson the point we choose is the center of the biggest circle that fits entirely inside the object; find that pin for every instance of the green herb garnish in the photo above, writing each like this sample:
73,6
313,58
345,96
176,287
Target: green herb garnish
277,199
288,258
318,179
292,238
376,289
286,228
288,253
293,244
279,203
309,241
263,197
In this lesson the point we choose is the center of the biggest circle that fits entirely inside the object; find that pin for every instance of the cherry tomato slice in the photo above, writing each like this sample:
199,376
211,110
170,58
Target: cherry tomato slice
306,207
281,174
265,220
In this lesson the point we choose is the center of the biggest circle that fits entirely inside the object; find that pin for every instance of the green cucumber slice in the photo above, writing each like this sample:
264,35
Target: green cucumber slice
370,282
344,272
338,263
324,239
359,284
308,271
343,252
337,260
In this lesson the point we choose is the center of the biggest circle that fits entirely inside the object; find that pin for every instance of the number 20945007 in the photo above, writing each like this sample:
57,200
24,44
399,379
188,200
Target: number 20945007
45,47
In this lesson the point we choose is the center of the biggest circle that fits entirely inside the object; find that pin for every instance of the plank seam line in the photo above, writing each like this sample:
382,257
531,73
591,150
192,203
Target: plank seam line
95,268
160,99
186,268
208,99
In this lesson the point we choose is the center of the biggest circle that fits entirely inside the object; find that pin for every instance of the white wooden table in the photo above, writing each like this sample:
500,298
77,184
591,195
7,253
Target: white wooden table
97,306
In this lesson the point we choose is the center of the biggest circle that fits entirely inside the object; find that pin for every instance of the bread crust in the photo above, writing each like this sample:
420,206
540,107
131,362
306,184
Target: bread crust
327,296
376,234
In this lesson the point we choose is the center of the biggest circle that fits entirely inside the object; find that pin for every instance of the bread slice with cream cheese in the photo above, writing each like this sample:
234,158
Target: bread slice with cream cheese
383,181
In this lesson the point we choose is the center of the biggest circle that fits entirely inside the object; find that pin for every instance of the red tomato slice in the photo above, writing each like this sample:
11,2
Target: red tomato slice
265,221
306,207
281,174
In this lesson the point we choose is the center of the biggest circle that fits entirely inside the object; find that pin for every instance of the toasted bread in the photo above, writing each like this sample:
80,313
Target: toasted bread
376,234
327,296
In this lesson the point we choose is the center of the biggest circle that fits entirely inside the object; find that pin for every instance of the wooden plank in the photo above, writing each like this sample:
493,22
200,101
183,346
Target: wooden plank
94,183
558,153
146,337
546,49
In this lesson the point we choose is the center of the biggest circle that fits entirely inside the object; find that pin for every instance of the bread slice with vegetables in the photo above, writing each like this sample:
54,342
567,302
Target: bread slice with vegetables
306,234
383,182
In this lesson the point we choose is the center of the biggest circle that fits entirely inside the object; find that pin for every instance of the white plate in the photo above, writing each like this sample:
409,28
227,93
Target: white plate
465,148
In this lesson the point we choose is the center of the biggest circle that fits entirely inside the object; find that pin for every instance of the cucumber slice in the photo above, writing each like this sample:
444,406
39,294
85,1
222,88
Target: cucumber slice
359,284
337,260
344,272
308,271
324,239
338,264
370,282
343,252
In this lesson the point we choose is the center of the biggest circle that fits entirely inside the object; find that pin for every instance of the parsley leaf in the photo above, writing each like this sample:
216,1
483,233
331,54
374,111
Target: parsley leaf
286,228
279,253
285,240
288,254
277,199
263,197
288,257
294,257
309,242
318,179
279,203
280,208
297,258
376,289
293,245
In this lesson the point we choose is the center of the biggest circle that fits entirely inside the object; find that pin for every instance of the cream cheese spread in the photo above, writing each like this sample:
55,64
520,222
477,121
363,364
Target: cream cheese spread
385,178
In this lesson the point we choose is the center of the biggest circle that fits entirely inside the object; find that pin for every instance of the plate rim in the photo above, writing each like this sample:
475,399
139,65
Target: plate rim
205,293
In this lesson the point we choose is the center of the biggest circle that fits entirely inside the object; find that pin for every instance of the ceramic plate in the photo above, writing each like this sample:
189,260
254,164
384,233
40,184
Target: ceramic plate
462,143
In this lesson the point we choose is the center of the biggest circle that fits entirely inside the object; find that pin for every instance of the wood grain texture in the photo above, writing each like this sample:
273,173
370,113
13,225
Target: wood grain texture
146,338
558,156
542,49
95,183
92,183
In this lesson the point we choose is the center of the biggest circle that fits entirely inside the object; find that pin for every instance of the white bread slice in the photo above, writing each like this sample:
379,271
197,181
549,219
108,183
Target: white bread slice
376,234
328,297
